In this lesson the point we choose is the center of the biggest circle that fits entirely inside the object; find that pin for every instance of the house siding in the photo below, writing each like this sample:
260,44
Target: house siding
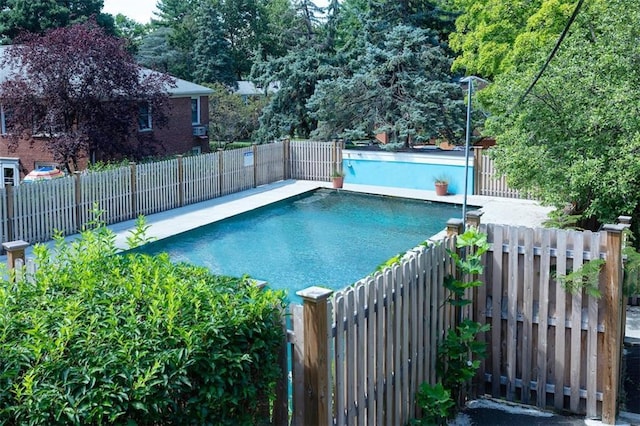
176,137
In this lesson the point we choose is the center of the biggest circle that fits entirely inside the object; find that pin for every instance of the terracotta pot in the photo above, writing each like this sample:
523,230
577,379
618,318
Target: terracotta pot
441,188
337,181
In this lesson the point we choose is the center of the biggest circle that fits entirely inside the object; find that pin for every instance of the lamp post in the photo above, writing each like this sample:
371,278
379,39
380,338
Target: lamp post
469,81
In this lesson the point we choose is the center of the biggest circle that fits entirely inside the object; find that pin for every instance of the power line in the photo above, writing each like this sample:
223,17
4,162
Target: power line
551,55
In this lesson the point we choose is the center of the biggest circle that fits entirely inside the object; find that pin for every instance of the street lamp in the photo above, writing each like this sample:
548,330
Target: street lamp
469,81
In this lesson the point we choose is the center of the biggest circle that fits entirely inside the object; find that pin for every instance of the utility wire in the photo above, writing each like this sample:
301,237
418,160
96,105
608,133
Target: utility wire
551,55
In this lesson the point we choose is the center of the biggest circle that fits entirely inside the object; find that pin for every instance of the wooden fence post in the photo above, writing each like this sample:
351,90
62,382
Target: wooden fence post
286,147
454,227
15,251
317,331
180,181
220,170
10,213
134,190
255,165
612,298
477,170
473,218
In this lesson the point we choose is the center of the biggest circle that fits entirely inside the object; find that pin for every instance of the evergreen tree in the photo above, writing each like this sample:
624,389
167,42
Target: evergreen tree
297,74
155,52
38,16
401,86
212,57
179,17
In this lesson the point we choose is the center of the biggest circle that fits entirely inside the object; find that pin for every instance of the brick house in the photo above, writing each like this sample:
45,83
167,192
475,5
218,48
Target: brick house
184,133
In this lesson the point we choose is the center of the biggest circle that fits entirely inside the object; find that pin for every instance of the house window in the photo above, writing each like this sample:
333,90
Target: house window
5,117
144,117
10,171
195,110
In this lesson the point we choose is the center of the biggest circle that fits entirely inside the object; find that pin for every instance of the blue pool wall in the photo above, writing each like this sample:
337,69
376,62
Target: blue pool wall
407,170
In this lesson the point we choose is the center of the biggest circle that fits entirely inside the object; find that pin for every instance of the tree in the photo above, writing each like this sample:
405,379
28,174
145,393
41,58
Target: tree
130,30
38,16
402,87
492,36
81,91
296,74
212,52
233,119
155,51
574,140
179,17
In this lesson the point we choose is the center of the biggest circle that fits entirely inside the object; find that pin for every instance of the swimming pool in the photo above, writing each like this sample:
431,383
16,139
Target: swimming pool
325,237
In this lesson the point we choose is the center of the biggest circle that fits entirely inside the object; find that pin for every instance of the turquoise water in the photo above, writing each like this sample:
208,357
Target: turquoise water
326,238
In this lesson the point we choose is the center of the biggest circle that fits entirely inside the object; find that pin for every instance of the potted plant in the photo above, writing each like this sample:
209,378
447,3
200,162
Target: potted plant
442,185
337,178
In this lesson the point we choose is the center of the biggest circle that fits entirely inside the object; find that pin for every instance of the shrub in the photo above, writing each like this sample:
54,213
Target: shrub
98,338
459,354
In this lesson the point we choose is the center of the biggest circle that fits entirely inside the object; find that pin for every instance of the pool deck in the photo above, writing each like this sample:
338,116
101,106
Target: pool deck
165,224
171,222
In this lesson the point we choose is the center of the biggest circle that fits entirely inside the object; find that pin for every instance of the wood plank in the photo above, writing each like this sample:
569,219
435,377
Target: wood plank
543,317
380,373
512,312
527,308
435,307
371,348
560,316
351,353
421,319
360,355
480,315
576,327
592,339
390,333
397,346
339,398
496,309
405,349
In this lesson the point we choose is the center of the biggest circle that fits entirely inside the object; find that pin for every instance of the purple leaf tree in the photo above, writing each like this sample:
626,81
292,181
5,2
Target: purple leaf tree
78,91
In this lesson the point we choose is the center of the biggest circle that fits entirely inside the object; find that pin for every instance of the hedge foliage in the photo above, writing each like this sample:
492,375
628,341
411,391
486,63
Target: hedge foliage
97,338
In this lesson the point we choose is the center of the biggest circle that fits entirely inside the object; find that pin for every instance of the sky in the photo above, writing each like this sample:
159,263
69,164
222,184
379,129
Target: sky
142,10
139,10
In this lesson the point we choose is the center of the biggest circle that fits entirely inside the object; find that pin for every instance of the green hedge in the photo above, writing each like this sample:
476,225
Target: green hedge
98,338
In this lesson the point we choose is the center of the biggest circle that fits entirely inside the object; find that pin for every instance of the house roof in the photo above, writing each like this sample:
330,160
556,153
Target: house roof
187,88
182,88
247,88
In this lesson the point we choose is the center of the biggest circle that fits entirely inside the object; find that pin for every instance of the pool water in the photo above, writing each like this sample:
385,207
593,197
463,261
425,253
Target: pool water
326,238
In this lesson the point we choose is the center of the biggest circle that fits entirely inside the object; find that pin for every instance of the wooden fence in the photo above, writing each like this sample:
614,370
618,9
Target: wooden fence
32,212
487,181
360,354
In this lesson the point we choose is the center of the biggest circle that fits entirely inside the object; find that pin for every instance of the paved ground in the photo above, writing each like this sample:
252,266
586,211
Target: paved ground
498,413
